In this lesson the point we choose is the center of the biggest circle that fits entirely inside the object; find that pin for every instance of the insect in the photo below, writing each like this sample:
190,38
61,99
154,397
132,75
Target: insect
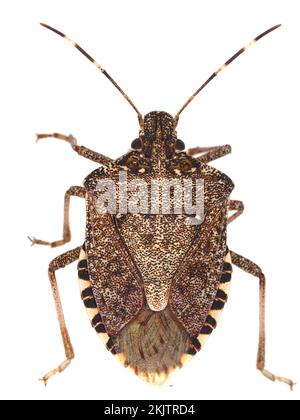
154,284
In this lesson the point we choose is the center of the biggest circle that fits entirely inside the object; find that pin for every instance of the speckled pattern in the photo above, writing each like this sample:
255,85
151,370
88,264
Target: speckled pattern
115,280
135,259
158,243
196,282
152,263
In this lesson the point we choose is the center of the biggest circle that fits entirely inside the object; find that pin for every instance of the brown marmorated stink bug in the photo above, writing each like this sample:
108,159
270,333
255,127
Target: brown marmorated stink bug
154,281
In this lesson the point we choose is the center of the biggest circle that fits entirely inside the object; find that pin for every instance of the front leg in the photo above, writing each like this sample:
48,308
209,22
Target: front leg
75,192
81,150
210,153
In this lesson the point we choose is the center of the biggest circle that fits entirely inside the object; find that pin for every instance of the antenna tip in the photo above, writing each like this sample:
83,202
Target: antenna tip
274,27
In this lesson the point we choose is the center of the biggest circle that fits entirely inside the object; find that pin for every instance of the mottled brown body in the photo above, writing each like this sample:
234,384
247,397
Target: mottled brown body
154,276
153,284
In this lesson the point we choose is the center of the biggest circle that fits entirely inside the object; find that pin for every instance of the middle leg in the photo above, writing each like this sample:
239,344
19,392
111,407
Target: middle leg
235,205
73,191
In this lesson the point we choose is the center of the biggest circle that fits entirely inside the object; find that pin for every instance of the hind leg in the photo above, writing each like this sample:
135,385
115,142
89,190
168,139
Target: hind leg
251,268
60,262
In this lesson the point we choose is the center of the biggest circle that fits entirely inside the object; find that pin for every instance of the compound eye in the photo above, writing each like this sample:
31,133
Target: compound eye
179,145
136,144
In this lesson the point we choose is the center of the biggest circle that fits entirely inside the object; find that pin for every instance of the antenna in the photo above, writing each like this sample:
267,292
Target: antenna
231,59
140,117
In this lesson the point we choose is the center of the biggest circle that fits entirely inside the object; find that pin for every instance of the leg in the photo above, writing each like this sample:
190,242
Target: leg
211,153
235,205
75,192
253,269
56,264
81,150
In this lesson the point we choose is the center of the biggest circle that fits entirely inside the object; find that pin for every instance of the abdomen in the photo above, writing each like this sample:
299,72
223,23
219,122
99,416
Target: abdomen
154,343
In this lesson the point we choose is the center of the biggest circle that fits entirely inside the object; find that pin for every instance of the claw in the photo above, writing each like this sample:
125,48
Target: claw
69,139
44,380
32,240
35,241
274,378
53,372
38,137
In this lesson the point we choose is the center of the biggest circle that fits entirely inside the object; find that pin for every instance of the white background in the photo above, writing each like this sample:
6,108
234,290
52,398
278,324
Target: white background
159,52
